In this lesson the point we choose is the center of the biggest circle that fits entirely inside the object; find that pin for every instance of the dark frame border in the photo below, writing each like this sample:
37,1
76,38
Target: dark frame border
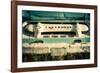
14,5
